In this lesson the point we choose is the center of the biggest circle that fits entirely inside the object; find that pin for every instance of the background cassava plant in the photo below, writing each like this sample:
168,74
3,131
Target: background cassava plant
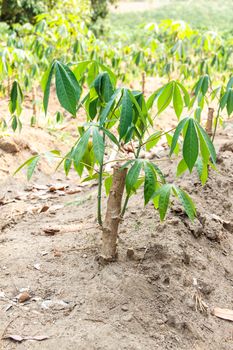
119,121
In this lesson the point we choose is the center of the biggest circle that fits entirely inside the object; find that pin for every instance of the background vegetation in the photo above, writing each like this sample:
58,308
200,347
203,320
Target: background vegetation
213,15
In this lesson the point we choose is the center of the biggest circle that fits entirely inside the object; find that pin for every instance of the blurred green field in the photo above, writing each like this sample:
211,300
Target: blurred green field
214,15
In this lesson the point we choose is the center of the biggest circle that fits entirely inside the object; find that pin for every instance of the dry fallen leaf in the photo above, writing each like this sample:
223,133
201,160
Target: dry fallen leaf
58,187
22,297
226,314
74,191
2,200
44,209
57,253
51,231
52,189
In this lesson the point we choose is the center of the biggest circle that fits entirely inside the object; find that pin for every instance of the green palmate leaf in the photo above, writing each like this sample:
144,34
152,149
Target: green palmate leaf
108,184
47,83
79,167
177,133
107,110
72,79
80,69
201,100
13,98
204,174
133,175
93,70
205,153
150,182
164,198
80,149
224,99
139,102
186,202
107,88
129,134
103,86
98,145
92,108
126,114
98,84
197,114
112,76
202,170
198,86
67,87
155,198
230,83
54,152
208,142
152,98
192,101
186,94
181,168
205,85
88,160
16,99
93,177
51,155
191,145
165,97
178,103
153,140
67,165
31,167
215,92
27,163
14,122
158,172
137,58
136,186
59,117
126,164
230,102
169,141
111,136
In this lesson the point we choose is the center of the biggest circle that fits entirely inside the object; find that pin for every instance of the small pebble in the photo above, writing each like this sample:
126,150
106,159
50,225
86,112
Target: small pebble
124,308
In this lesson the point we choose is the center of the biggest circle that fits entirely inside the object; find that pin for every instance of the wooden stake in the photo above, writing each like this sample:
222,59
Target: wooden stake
209,124
143,82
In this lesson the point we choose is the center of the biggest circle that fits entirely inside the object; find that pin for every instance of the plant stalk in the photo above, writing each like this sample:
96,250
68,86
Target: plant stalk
99,198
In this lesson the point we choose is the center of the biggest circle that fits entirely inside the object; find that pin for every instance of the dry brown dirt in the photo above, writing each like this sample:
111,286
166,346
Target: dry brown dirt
161,299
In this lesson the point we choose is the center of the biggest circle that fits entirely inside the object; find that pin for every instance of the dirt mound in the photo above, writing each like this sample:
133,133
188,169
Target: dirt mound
159,296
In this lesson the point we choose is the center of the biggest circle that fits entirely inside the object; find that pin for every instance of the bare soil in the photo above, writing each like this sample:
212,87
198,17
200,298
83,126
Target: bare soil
158,295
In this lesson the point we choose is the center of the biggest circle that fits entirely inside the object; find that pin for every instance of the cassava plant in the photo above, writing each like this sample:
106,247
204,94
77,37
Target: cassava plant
118,128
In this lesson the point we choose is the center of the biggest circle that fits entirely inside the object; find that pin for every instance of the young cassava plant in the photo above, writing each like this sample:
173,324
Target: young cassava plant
119,120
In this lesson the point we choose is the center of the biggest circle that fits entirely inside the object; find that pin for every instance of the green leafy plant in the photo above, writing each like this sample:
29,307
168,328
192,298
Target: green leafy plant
15,105
120,119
